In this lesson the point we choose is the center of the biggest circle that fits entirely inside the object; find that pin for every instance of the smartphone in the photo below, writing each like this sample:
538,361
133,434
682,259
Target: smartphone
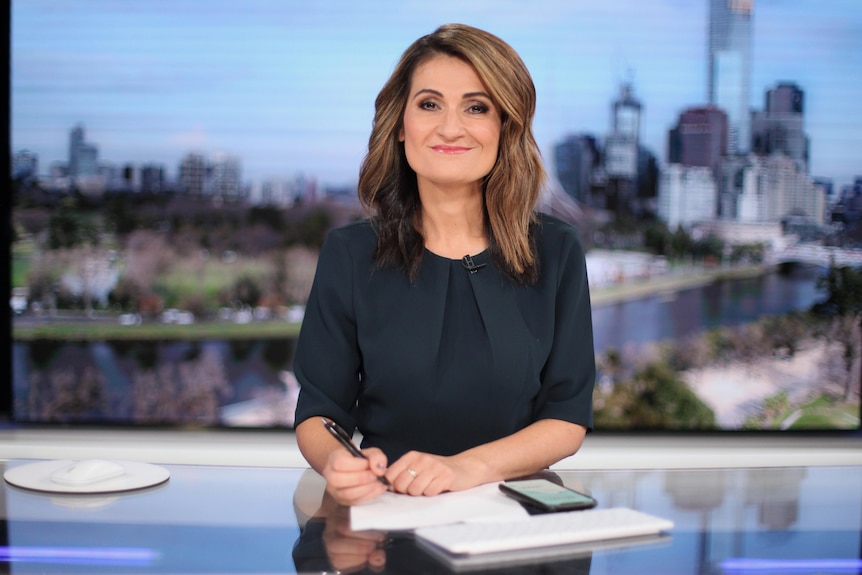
546,495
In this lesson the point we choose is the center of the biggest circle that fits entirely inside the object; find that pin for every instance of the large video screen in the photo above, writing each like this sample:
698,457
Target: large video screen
175,167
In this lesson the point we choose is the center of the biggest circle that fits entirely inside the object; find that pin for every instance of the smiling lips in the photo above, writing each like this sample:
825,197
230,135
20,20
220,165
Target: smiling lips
454,150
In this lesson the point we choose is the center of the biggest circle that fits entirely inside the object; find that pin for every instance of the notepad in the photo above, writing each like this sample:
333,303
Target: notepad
397,512
546,556
552,535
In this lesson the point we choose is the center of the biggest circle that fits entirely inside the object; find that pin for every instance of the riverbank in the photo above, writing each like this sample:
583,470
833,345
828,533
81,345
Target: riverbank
738,391
673,281
69,326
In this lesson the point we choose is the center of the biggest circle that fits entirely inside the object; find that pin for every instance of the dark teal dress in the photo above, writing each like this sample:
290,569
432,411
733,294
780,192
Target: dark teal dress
452,360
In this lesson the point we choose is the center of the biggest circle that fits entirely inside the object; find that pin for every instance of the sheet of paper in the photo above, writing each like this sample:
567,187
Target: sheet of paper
393,511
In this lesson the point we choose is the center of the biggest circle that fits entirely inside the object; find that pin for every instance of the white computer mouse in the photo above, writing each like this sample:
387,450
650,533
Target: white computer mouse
87,471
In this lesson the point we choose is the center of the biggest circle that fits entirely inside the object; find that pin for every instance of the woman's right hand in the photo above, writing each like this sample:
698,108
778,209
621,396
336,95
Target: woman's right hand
350,551
350,479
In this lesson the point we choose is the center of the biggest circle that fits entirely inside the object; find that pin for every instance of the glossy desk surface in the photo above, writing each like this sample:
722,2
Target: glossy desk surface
209,519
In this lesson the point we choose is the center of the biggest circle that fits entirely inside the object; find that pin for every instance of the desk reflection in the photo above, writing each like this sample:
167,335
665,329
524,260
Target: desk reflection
326,544
277,520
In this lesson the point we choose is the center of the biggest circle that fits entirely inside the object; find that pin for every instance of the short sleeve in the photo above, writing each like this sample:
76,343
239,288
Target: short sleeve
568,376
327,361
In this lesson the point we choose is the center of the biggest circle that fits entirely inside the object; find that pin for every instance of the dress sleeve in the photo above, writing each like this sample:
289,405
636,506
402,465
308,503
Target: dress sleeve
569,374
327,361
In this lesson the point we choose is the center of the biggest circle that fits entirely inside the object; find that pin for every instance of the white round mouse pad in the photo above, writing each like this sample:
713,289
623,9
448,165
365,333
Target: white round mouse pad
86,476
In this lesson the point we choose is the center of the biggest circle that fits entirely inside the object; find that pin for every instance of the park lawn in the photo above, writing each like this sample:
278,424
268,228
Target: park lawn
825,412
210,279
155,331
22,251
20,269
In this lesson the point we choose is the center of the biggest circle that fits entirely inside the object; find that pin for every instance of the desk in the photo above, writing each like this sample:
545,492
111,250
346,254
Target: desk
210,519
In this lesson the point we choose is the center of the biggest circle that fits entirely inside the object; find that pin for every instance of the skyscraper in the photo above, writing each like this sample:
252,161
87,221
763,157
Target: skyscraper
576,159
699,138
729,73
622,143
193,174
83,156
784,123
621,152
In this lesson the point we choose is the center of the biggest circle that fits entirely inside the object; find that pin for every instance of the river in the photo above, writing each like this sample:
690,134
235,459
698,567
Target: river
249,382
686,312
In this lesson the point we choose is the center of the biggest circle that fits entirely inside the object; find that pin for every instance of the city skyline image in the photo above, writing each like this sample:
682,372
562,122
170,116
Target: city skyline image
177,167
288,88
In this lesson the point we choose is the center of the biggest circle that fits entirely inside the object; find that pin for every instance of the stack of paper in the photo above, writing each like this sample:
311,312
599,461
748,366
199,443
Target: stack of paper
397,512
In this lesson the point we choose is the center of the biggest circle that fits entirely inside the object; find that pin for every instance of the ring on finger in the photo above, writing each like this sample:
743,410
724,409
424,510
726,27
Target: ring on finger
412,472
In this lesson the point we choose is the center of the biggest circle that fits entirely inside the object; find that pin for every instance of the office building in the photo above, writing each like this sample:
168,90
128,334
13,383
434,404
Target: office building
687,195
621,151
729,65
731,182
779,127
621,147
225,177
774,189
576,160
152,178
25,165
281,192
699,138
83,156
193,174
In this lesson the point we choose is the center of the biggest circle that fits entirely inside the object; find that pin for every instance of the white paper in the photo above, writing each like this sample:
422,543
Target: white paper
395,511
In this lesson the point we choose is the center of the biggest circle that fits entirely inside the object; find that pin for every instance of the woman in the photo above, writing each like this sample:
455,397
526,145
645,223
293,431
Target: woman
452,328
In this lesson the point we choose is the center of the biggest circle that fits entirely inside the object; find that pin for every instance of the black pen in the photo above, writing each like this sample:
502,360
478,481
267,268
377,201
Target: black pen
345,440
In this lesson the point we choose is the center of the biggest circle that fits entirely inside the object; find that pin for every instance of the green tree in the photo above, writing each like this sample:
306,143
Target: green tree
786,332
247,290
666,402
311,231
843,286
655,398
269,216
66,228
681,244
120,216
657,238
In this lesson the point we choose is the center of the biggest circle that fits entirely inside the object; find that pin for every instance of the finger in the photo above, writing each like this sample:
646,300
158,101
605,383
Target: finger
377,460
346,479
419,483
356,494
438,485
377,560
403,480
344,470
347,562
375,537
401,473
346,546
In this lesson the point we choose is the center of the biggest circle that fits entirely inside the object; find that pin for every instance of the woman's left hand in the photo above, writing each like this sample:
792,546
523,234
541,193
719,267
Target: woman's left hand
418,473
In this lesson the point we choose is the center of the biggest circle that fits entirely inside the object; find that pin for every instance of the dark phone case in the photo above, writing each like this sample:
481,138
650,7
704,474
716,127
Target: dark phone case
534,506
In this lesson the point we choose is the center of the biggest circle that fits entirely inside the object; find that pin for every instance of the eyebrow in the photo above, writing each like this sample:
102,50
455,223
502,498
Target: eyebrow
440,94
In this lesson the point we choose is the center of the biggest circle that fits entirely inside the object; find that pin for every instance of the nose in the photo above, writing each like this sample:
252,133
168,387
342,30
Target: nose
451,125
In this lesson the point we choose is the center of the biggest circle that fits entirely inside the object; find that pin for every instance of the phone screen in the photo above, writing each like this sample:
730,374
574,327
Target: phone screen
547,494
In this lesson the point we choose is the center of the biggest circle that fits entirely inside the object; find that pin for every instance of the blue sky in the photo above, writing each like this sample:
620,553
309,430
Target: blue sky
289,86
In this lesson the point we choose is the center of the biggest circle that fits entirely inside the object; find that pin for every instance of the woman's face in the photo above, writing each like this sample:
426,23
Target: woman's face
451,130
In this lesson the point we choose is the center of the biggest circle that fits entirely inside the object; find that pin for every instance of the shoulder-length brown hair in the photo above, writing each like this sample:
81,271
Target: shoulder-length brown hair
387,185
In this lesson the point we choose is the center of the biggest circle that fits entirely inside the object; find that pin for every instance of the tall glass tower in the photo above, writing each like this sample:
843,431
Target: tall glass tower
730,67
83,156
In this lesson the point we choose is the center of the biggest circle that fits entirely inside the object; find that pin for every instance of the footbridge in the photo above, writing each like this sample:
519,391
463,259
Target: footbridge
818,255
